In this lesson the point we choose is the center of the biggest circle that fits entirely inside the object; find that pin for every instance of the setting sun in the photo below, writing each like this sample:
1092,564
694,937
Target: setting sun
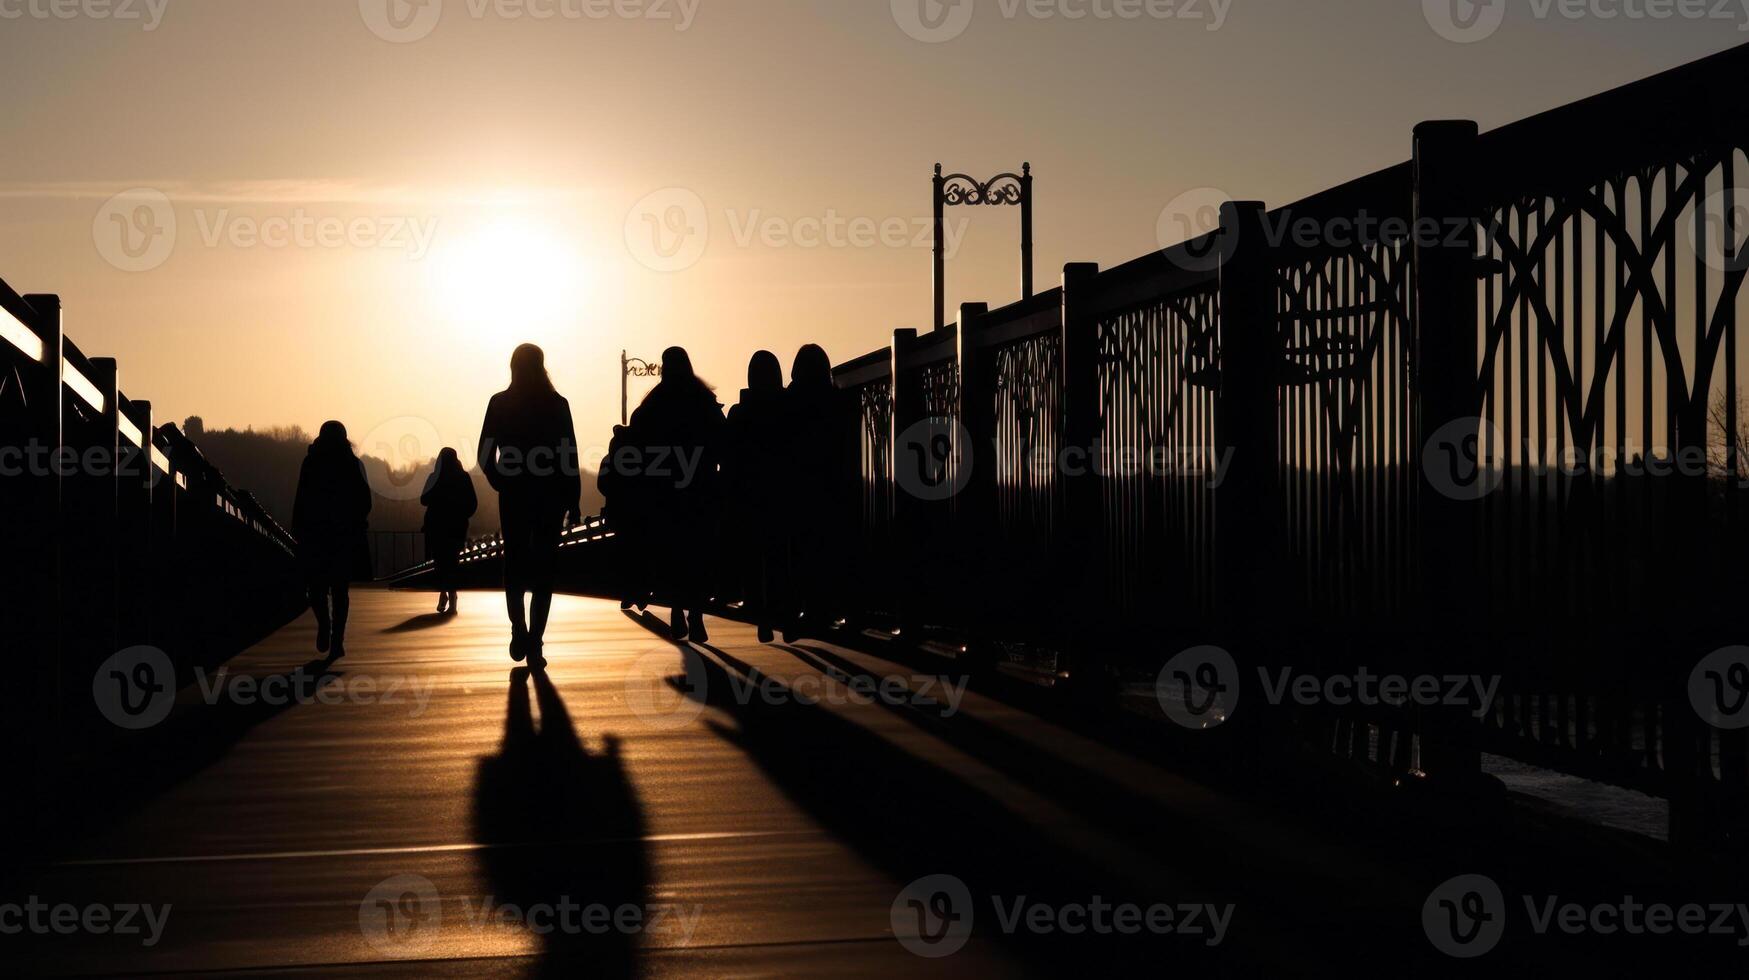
510,278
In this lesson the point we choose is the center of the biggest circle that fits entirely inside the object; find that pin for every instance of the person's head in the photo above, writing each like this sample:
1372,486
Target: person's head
332,438
764,372
677,365
812,368
448,460
678,376
528,369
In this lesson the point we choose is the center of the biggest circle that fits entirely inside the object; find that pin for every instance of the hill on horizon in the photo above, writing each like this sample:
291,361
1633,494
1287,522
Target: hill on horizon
266,462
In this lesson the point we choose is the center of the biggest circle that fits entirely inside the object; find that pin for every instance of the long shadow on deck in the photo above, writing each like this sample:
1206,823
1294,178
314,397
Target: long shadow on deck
575,830
914,819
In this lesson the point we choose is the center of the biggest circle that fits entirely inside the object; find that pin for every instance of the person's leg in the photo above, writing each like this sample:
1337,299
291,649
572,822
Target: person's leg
318,595
515,521
543,560
342,597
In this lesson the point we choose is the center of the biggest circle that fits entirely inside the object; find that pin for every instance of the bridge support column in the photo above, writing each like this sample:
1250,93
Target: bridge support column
1445,170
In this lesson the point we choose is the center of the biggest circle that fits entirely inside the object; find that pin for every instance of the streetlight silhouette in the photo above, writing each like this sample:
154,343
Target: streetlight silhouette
633,367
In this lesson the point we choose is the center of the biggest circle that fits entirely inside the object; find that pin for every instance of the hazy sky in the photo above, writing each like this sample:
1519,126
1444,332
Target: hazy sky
365,227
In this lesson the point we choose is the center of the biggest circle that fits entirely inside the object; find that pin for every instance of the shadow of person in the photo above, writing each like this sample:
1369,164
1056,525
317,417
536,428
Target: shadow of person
423,621
563,837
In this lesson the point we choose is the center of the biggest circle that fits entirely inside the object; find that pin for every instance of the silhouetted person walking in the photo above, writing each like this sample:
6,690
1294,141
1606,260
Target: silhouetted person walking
626,511
753,466
677,430
822,445
528,452
330,515
449,502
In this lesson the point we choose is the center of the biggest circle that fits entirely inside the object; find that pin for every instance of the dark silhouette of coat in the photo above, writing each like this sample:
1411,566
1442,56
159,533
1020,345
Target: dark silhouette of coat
330,513
528,451
449,502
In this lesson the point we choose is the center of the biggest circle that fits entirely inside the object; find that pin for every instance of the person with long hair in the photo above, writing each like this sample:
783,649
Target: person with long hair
753,469
528,453
449,502
822,442
330,515
676,432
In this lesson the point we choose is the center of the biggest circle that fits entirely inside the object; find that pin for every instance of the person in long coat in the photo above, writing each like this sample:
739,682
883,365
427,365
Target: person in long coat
330,518
449,502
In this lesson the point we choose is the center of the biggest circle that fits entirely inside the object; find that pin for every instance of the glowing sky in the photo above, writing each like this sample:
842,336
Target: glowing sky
374,201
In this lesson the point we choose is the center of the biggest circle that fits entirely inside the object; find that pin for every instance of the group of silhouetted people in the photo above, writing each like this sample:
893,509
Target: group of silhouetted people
735,508
739,509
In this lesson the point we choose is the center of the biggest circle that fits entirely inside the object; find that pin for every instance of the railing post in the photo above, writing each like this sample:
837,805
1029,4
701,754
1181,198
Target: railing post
1251,596
908,525
975,509
139,556
1445,171
1079,541
40,539
1248,532
105,545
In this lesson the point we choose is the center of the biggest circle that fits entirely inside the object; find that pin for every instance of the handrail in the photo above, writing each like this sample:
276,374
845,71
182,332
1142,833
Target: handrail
933,347
13,330
867,369
1030,317
1672,114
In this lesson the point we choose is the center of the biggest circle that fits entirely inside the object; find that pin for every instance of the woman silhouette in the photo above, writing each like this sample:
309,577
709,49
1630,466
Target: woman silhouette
677,431
528,452
753,468
330,515
449,501
822,442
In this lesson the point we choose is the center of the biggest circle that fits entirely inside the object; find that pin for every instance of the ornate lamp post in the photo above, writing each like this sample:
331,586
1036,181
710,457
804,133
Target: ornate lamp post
1002,190
632,367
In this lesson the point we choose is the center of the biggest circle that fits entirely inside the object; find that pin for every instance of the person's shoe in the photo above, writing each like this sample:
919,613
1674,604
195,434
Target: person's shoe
625,604
698,634
677,625
338,651
321,637
518,646
536,658
443,602
765,634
